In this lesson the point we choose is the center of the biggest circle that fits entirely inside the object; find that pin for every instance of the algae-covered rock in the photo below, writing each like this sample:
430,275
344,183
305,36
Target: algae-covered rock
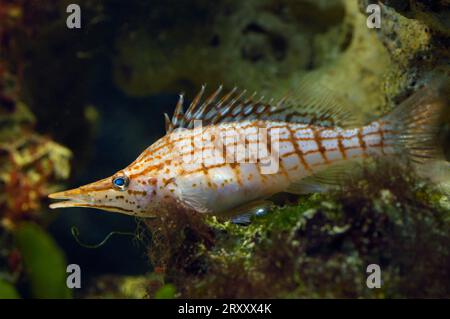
259,45
268,46
129,287
320,247
416,39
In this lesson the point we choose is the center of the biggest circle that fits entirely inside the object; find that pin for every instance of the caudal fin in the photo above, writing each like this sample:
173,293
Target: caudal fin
416,123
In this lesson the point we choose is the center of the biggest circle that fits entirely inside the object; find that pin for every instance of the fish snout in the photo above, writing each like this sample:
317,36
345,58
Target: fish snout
84,196
70,198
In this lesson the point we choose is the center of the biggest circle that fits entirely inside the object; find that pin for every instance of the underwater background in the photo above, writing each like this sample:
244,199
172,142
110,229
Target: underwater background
78,104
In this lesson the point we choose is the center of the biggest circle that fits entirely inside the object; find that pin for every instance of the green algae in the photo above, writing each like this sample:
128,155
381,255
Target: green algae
166,292
118,286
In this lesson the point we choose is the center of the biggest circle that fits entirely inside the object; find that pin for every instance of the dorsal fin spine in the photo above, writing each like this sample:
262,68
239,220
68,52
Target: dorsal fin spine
169,126
194,103
178,114
315,109
202,109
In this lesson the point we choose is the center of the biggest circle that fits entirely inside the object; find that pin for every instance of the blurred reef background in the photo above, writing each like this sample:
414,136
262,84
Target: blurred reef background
78,104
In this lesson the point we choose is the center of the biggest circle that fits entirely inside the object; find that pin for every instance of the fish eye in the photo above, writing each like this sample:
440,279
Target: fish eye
120,182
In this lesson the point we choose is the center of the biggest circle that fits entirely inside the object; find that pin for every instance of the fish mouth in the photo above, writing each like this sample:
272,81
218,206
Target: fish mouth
79,197
68,199
75,198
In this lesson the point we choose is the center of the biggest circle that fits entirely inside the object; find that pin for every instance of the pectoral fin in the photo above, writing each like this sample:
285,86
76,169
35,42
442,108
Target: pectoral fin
326,180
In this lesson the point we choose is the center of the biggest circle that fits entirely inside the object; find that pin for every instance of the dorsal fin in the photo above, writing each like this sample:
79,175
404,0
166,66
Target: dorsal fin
316,107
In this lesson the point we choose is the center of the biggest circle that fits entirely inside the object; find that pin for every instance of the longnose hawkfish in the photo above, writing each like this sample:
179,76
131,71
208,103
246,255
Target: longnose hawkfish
205,162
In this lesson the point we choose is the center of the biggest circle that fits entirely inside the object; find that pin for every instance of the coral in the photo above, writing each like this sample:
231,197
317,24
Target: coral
29,162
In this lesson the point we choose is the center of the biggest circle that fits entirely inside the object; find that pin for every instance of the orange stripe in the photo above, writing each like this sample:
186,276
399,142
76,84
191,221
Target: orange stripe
362,144
320,146
298,151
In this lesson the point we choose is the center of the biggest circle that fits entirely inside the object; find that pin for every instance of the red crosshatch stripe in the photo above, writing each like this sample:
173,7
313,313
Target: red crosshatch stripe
319,143
297,150
361,142
317,138
173,141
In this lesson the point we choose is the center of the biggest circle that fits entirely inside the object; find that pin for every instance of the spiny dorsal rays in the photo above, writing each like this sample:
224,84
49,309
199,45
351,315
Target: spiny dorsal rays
169,125
234,106
212,110
178,114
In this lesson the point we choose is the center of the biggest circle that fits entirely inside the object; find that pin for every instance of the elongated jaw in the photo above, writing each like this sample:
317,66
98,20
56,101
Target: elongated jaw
97,195
90,195
69,198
